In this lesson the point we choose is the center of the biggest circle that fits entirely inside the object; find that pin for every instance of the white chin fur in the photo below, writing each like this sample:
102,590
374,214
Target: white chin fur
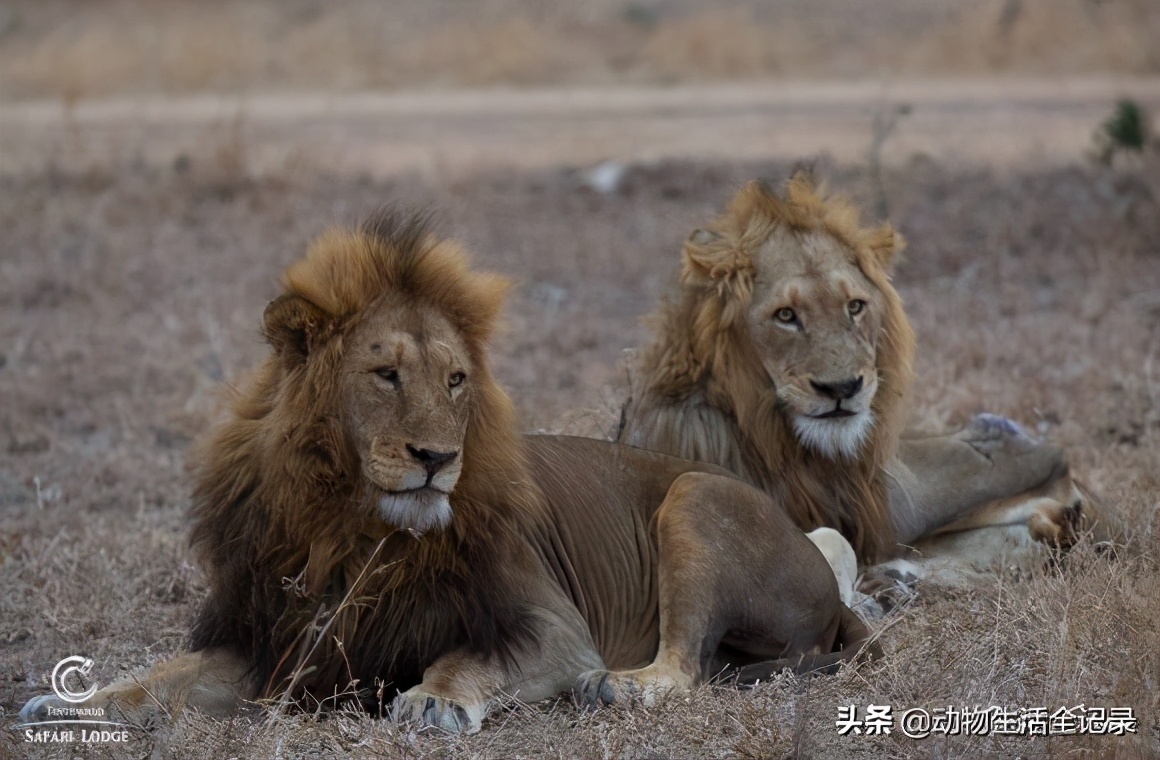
418,510
834,438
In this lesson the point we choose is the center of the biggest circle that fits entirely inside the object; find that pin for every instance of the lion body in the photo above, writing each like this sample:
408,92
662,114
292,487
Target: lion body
371,523
397,604
781,302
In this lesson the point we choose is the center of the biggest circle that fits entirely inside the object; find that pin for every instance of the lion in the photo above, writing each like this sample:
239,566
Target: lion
373,526
786,357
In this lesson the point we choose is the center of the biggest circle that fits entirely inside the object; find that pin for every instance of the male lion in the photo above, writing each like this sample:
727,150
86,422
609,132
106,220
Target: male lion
371,523
786,358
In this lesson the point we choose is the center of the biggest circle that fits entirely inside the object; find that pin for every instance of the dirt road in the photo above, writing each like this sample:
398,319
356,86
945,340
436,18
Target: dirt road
957,121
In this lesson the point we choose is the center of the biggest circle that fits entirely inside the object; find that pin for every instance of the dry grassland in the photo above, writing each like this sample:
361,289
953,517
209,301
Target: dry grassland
79,50
127,298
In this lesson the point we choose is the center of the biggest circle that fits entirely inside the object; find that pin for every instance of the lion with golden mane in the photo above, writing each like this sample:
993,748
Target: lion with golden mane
785,357
373,526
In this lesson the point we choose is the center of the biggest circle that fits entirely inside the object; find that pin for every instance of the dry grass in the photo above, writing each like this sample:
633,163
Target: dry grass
125,299
74,50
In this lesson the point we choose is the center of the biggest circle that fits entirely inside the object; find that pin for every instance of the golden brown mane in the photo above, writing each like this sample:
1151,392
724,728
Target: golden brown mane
296,560
703,394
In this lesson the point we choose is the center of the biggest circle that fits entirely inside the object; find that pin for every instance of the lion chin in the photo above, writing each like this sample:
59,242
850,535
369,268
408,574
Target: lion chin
837,437
418,510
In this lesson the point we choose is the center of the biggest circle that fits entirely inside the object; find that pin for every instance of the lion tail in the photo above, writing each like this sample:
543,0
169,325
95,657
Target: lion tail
853,642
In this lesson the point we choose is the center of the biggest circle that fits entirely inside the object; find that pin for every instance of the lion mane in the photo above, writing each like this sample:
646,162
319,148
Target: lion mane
304,583
700,391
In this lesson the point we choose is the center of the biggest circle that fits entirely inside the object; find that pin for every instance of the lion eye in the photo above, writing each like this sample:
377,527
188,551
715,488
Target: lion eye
390,374
856,307
456,379
785,316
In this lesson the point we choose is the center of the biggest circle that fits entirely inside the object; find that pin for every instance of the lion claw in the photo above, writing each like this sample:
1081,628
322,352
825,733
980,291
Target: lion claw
429,710
592,690
644,686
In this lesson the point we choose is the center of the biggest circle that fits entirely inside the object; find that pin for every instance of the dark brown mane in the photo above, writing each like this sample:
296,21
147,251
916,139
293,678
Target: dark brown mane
296,562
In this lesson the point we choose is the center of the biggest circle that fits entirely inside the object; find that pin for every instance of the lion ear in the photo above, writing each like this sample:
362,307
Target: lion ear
702,236
697,255
293,325
886,244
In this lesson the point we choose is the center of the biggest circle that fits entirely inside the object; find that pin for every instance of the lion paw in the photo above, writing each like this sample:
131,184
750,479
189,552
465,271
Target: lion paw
591,690
866,606
644,686
416,706
889,585
991,434
1057,523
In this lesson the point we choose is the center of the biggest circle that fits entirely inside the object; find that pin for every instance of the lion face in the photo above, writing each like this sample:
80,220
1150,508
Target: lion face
792,292
378,376
406,395
786,356
814,321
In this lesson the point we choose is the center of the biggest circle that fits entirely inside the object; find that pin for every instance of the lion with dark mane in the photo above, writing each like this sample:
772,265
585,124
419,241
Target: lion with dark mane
261,472
371,524
785,356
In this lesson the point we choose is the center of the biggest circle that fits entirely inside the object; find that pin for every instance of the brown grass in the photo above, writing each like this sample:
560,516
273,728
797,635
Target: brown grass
125,299
71,50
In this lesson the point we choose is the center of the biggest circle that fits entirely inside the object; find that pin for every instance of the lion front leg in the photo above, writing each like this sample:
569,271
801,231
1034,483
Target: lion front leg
460,688
685,577
213,682
1021,533
732,567
1052,513
455,694
945,479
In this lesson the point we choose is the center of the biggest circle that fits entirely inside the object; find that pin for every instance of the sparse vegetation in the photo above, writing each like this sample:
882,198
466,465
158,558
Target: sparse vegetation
132,285
77,50
122,302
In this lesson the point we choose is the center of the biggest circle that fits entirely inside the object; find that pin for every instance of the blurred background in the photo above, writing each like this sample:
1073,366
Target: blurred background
577,82
73,49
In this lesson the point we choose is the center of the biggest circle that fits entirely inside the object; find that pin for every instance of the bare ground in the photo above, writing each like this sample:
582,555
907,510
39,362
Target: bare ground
1007,122
126,298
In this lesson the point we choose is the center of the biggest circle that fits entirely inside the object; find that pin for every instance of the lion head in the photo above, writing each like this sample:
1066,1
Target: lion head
368,471
394,349
785,357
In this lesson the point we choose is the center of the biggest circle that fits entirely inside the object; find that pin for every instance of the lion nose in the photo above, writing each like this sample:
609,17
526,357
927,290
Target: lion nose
839,391
432,461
